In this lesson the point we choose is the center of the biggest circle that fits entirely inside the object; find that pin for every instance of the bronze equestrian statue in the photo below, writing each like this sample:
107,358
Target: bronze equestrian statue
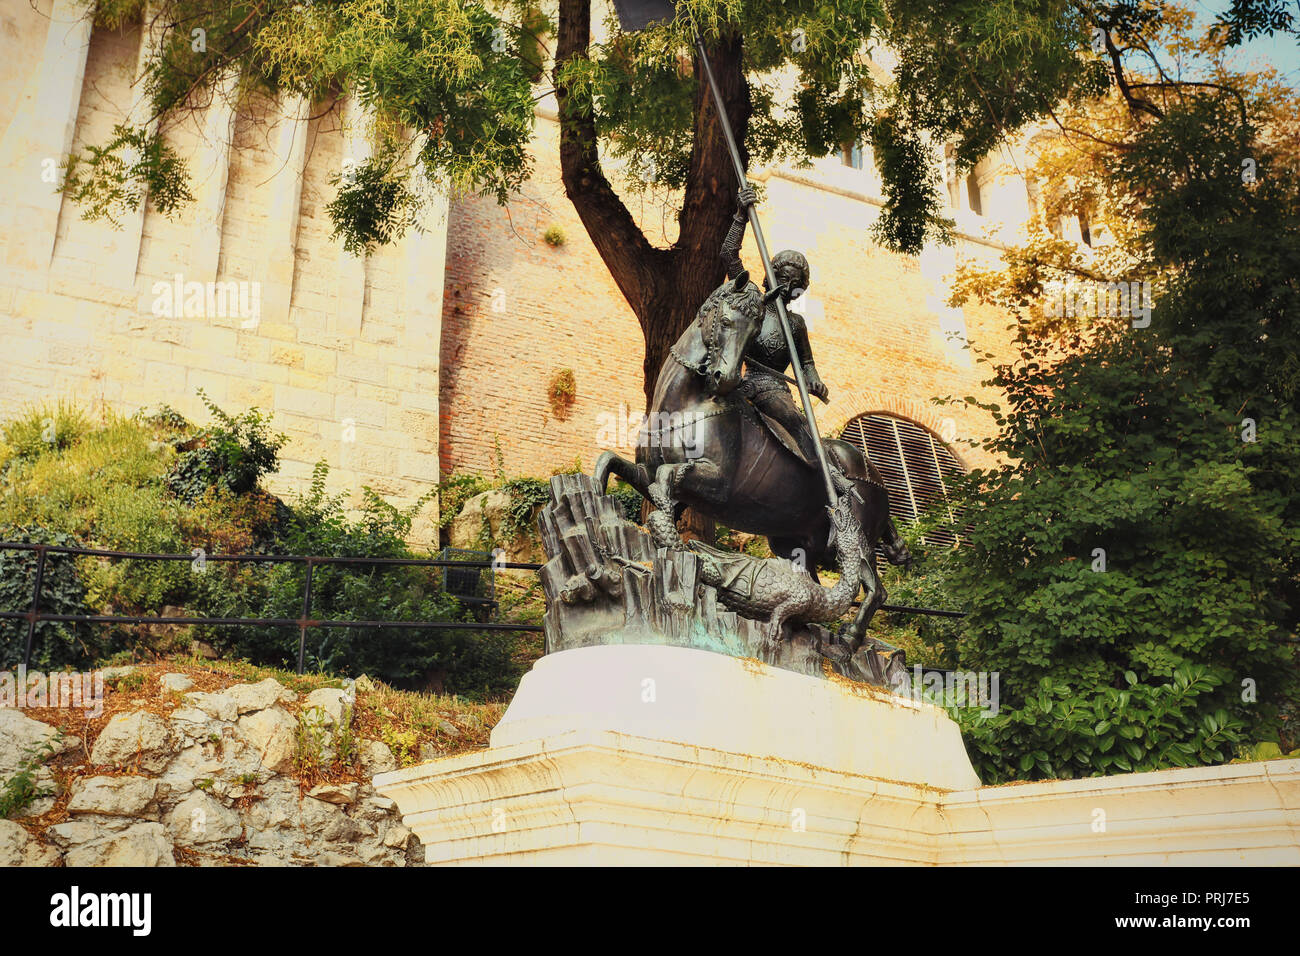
708,446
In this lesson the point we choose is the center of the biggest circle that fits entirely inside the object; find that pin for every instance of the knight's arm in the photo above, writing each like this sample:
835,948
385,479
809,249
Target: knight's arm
731,245
736,234
799,329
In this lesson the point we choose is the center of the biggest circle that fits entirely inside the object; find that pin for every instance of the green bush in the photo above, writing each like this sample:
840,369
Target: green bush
231,455
1133,568
471,663
55,644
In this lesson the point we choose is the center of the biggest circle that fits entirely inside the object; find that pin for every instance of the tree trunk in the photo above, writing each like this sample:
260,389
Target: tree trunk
664,287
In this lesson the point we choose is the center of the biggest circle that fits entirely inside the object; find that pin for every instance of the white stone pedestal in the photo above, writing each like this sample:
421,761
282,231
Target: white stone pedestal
641,754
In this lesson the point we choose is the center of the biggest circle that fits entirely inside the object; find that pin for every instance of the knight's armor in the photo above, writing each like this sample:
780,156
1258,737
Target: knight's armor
763,384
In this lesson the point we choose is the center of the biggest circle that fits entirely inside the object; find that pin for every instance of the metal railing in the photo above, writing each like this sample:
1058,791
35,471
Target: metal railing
304,621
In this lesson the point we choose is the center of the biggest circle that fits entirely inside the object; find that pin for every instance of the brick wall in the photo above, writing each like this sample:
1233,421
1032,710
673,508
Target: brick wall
517,309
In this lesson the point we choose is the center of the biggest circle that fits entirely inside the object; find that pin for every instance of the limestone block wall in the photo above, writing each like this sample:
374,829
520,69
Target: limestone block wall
342,351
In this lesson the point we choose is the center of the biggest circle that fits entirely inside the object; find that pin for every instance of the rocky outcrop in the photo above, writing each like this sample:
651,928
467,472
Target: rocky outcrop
207,783
482,520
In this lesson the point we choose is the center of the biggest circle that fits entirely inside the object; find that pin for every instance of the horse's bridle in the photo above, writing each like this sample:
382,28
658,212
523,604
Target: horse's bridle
712,346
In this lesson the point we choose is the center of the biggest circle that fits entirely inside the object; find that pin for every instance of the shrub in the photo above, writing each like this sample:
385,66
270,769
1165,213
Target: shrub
231,455
465,662
41,430
56,644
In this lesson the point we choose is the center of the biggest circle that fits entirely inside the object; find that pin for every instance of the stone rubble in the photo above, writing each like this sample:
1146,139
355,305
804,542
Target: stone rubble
207,785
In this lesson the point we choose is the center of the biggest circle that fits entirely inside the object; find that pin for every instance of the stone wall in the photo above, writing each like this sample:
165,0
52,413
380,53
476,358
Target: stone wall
182,776
343,352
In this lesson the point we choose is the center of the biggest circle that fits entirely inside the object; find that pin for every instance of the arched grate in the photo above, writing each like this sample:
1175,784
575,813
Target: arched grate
917,466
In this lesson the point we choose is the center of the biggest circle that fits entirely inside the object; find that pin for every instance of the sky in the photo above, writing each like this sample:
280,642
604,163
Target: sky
1281,51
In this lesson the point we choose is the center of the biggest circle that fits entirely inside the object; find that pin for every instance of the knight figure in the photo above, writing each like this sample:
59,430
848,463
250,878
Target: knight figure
766,360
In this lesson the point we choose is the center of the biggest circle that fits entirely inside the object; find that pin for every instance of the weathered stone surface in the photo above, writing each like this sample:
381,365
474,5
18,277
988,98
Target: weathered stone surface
340,793
114,796
20,848
270,733
177,683
144,844
487,513
199,819
136,738
216,706
253,697
331,701
376,757
19,735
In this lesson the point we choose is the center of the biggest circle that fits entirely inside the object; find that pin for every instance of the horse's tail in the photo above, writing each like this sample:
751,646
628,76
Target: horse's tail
893,547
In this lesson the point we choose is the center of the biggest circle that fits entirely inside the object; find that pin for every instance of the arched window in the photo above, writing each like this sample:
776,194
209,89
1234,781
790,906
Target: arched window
917,465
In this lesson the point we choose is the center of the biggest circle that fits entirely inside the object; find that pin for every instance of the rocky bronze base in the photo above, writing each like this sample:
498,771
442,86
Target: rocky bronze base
607,583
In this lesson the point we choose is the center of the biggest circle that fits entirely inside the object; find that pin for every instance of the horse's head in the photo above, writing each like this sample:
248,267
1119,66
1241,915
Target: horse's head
728,322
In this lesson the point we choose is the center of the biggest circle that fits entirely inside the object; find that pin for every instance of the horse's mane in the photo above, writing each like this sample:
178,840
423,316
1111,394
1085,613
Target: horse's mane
748,300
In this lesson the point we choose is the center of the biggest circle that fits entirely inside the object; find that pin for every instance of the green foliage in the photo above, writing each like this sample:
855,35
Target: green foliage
20,790
47,428
371,208
55,644
110,181
468,662
461,76
1137,555
1058,732
229,456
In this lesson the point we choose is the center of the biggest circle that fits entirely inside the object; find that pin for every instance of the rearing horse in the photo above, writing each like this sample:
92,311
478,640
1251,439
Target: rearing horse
705,443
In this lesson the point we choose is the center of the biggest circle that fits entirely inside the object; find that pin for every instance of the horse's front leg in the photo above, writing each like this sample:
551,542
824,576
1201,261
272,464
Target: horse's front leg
704,484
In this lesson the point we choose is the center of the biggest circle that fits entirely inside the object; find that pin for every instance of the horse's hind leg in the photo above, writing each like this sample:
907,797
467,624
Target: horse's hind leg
611,464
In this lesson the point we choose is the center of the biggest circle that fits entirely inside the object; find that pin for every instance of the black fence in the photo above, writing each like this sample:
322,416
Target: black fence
305,621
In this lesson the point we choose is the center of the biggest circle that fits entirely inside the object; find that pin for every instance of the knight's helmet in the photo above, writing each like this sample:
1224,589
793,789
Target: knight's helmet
790,258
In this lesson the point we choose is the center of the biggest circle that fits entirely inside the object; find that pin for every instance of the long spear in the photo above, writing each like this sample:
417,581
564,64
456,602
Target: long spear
638,14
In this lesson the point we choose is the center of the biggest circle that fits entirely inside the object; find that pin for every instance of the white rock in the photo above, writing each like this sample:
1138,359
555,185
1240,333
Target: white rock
397,836
144,844
376,757
340,793
20,848
20,734
259,696
199,819
331,700
135,736
271,734
113,796
217,706
175,682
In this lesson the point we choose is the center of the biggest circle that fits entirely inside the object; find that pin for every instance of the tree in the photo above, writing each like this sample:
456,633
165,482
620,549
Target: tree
1134,572
458,75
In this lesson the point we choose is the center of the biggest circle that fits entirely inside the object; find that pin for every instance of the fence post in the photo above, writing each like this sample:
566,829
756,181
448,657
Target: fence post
36,604
306,610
